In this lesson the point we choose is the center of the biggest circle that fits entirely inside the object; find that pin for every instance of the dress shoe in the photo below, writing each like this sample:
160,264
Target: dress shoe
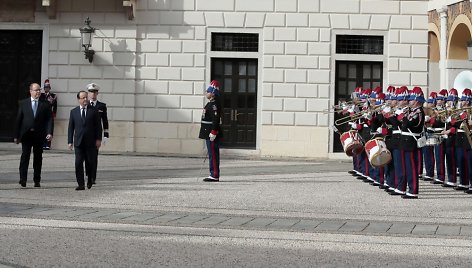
389,190
89,185
80,188
360,178
409,196
395,193
448,185
211,179
468,191
22,183
437,182
383,187
351,172
93,181
460,188
37,184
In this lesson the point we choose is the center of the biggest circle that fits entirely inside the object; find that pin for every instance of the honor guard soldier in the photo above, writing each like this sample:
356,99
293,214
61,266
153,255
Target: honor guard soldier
438,125
375,123
387,131
412,129
210,129
431,138
451,163
50,97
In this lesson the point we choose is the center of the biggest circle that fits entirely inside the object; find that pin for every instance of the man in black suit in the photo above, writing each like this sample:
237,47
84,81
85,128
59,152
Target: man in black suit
34,124
85,136
52,99
102,111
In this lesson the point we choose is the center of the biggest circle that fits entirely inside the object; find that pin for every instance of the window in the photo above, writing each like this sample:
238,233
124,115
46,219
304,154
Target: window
244,42
359,44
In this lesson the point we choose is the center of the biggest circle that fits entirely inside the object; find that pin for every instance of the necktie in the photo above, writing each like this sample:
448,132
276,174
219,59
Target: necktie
35,107
93,104
83,114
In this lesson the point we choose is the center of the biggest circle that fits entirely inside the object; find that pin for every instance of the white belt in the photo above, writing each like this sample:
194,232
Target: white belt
411,134
365,125
396,132
437,129
460,130
207,122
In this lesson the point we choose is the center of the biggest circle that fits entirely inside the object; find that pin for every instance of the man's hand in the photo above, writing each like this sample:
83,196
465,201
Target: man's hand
98,143
106,134
70,146
16,141
49,137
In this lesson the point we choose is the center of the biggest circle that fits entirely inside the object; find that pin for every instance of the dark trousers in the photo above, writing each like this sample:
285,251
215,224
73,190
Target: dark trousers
92,175
400,172
463,162
30,140
83,154
451,164
411,170
420,162
439,155
213,148
364,164
428,156
390,179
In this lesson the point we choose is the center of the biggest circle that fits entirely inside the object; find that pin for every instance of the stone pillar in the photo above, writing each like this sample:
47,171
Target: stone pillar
443,47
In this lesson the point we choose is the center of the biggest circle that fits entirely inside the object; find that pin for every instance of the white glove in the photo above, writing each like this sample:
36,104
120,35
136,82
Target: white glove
379,130
427,118
449,119
212,137
104,141
387,109
399,111
368,116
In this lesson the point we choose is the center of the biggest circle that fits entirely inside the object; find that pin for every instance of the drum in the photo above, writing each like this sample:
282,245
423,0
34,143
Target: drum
377,152
433,139
351,142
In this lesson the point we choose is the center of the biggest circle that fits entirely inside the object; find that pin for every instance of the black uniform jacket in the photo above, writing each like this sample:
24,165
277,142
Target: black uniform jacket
211,119
25,122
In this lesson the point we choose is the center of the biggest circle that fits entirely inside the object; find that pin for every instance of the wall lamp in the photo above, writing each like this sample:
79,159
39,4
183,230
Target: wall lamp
86,34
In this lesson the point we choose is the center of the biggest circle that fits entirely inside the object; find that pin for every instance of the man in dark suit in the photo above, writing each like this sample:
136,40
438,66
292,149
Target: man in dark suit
102,111
85,136
52,99
33,125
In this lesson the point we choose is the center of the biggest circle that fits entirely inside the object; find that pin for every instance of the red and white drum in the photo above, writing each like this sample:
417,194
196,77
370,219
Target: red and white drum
377,152
352,143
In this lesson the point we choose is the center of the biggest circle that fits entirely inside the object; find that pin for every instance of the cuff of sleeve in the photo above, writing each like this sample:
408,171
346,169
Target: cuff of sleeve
453,130
214,132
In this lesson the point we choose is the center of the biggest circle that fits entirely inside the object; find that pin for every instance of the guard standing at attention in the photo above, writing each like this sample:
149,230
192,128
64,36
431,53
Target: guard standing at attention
211,131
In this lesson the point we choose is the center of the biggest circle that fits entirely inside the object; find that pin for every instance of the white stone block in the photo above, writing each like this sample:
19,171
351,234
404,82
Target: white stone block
168,101
113,19
157,87
249,5
124,59
359,22
183,5
283,118
147,17
296,48
181,60
420,22
379,22
154,59
68,71
58,31
319,48
157,4
295,76
90,71
419,51
297,19
147,45
124,86
317,105
234,19
114,72
399,50
215,5
268,62
285,34
394,36
283,90
182,32
171,17
169,46
400,22
325,62
268,34
323,91
267,90
393,64
112,100
323,120
194,47
285,6
305,119
147,73
318,76
308,34
319,20
126,32
70,17
339,21
214,19
200,33
419,65
325,35
129,101
155,115
69,44
192,102
295,104
273,75
306,91
414,7
194,18
59,57
130,45
339,6
274,48
254,20
145,101
414,37
380,7
180,115
307,62
275,19
158,32
266,118
420,79
52,70
200,60
122,114
311,6
398,78
180,88
284,61
193,74
165,73
272,104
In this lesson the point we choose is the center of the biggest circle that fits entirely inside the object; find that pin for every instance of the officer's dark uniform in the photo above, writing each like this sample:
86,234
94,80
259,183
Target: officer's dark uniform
211,124
52,99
